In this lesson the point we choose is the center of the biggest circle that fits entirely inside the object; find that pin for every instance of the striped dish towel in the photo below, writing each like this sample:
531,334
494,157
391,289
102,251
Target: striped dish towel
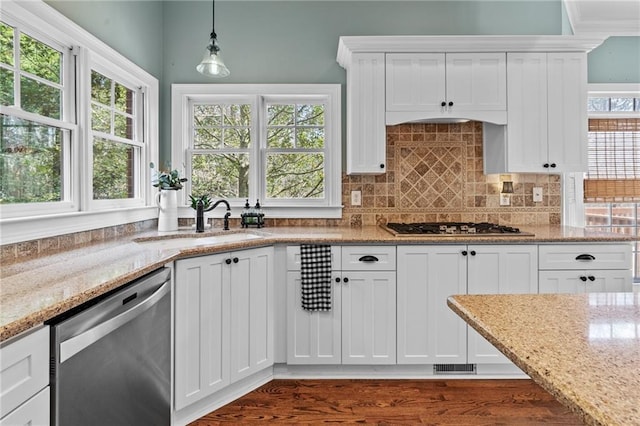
315,271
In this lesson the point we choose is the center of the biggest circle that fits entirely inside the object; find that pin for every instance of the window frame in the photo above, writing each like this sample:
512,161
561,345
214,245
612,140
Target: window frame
185,95
28,221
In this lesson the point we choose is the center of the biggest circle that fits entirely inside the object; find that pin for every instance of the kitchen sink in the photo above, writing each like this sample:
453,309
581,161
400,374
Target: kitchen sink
190,242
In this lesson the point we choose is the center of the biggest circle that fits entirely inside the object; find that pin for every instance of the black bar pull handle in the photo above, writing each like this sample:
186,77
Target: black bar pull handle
585,257
368,258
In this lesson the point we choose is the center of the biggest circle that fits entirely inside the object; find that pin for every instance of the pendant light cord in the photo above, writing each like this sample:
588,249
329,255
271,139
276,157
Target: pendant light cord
213,19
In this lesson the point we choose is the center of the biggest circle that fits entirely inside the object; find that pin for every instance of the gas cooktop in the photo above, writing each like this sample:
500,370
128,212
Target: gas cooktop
452,229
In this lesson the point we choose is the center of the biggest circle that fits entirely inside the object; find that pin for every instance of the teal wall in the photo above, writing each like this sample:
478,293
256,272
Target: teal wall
296,41
133,28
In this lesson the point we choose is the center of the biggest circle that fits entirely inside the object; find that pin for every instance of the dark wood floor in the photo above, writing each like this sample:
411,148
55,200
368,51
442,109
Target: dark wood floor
397,402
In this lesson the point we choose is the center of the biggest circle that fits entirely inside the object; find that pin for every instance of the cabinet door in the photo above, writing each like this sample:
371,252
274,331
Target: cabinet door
589,281
567,111
428,331
366,132
527,114
369,317
476,82
415,82
251,324
312,337
498,269
201,327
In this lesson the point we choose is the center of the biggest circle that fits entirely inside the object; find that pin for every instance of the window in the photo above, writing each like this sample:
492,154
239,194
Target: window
612,184
78,128
276,143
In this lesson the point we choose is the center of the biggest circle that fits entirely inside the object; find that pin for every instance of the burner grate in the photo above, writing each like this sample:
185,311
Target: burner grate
451,228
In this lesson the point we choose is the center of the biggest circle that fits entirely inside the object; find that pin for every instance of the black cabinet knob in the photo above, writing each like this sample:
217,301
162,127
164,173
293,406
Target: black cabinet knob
443,104
337,279
228,261
553,165
450,103
592,278
583,278
236,260
382,166
473,252
464,252
345,280
545,165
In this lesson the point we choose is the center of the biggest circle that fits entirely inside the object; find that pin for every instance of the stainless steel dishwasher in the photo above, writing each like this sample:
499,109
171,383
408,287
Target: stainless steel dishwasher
111,362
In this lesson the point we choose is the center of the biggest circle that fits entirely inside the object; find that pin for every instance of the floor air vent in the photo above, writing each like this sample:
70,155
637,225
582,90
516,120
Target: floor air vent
454,369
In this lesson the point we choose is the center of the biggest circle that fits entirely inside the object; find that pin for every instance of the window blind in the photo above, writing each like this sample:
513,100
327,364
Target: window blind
614,160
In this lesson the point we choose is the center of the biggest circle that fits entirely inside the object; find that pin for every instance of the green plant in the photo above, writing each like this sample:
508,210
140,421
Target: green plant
206,201
168,180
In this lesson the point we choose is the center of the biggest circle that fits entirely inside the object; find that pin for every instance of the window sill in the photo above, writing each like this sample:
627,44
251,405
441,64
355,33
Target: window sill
16,230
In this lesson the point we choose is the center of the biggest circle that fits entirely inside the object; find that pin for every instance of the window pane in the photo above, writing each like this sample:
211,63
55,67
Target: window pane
6,87
280,137
207,138
310,137
280,115
123,126
598,104
6,44
40,98
113,170
31,160
308,115
295,175
621,104
207,115
123,99
39,59
100,88
237,138
220,175
100,118
623,215
237,115
596,214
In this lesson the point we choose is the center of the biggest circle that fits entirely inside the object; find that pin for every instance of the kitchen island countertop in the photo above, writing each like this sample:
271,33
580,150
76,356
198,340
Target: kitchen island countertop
582,348
36,289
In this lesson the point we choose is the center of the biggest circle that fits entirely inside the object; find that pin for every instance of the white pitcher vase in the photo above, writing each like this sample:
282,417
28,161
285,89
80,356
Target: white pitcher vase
167,201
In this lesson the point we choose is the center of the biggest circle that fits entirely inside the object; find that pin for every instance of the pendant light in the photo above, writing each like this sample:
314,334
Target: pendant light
212,64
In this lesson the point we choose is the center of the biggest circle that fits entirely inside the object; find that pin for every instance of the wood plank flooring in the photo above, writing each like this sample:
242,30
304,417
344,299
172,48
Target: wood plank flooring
397,402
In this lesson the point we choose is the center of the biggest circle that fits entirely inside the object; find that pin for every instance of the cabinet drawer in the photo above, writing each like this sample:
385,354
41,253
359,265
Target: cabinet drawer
293,258
368,258
585,256
35,411
24,368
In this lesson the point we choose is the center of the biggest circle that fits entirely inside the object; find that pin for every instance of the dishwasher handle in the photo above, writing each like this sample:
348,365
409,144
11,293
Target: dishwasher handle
73,345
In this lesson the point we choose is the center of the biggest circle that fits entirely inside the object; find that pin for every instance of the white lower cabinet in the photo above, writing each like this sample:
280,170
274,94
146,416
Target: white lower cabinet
585,268
360,328
503,269
428,331
431,333
223,321
24,379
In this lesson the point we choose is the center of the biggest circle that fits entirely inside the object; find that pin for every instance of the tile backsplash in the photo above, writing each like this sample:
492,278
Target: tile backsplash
434,173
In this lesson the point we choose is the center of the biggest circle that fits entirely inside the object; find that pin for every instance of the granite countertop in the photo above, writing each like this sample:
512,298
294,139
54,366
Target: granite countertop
35,290
583,348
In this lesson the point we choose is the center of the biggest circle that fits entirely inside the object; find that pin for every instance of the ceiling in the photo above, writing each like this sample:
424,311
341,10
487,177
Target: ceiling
604,17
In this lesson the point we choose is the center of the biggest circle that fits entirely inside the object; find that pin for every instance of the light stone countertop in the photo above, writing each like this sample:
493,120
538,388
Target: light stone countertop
33,291
582,348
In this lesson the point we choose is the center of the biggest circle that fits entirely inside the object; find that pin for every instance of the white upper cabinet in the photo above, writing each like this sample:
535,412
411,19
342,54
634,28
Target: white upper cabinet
547,116
423,86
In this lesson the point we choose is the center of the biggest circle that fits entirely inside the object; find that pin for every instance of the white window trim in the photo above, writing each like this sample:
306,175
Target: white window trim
182,95
42,20
573,183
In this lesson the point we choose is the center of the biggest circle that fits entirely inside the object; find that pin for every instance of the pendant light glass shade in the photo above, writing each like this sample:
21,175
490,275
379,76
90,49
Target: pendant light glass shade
212,64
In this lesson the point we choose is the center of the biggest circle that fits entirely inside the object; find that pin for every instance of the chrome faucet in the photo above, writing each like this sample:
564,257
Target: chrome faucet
200,214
